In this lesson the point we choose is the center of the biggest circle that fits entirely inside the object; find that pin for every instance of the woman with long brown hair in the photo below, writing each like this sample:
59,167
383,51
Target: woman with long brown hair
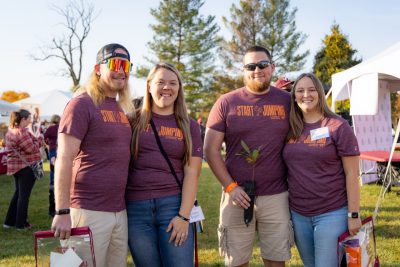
23,149
158,202
322,159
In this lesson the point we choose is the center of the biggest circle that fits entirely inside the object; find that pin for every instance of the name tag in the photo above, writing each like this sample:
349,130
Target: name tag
196,215
319,133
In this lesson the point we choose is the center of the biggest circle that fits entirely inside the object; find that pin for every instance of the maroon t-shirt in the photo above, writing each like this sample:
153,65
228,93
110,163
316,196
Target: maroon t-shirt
149,175
50,136
260,121
101,167
317,183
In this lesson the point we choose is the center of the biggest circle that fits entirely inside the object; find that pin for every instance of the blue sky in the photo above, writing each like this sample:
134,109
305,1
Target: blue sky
371,26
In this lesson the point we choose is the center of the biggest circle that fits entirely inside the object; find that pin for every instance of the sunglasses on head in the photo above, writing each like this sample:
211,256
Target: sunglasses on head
261,65
115,64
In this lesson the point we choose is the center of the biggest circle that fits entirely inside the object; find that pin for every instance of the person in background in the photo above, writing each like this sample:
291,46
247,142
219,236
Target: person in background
284,83
322,158
93,157
202,128
23,148
137,102
158,204
35,125
50,137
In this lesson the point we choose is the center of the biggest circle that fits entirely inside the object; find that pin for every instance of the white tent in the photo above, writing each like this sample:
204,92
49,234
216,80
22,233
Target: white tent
368,86
384,66
49,103
7,107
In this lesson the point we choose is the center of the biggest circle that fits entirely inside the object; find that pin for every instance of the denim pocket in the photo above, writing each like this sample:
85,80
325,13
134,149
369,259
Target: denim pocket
223,240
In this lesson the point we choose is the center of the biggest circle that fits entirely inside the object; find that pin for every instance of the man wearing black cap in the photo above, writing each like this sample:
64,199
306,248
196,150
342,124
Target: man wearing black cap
93,158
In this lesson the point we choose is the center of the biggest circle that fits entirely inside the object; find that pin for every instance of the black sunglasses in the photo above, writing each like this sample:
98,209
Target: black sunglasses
261,65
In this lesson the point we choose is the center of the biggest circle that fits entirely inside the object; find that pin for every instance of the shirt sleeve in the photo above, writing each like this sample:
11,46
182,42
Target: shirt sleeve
217,117
197,146
75,119
346,141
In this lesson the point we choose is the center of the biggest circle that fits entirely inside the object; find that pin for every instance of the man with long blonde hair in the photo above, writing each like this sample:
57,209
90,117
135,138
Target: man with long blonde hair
93,157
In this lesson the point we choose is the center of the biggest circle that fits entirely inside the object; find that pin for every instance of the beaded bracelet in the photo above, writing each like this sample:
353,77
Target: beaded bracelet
231,186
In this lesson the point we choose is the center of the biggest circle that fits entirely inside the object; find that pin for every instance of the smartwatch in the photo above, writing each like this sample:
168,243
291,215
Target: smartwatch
62,211
353,215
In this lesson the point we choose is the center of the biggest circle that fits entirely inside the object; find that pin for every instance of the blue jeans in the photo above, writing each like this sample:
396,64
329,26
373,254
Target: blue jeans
52,205
147,237
52,153
316,237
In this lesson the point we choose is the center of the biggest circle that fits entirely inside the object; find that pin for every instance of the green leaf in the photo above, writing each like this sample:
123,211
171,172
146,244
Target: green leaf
256,154
245,147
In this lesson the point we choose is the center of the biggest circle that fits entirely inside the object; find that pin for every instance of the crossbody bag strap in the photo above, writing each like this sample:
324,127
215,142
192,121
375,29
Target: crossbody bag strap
153,126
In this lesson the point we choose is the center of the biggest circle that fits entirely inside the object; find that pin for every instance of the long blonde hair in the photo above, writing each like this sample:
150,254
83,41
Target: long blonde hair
296,115
96,93
180,112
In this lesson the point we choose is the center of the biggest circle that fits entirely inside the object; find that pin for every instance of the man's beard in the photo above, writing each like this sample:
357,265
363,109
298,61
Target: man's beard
255,86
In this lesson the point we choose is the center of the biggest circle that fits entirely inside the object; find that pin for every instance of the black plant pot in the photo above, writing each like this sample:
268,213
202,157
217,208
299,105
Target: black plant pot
250,189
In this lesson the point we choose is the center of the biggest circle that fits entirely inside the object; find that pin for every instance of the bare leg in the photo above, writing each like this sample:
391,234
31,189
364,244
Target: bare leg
268,263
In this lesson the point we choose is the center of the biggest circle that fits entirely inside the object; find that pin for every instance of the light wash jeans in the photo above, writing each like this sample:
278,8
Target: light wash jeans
316,237
148,240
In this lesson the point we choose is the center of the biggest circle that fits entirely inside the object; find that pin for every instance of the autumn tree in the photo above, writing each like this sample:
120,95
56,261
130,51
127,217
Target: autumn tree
186,39
12,96
335,55
78,16
269,23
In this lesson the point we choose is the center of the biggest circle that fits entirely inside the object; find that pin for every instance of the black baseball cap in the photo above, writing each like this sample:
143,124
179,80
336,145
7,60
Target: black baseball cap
108,51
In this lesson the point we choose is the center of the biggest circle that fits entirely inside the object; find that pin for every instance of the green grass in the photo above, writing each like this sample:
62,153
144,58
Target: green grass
16,248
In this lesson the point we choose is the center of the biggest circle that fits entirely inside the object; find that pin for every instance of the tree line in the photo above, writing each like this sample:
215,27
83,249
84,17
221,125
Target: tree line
190,40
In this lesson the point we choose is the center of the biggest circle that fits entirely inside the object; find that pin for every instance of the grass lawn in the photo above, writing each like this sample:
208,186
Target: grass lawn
16,248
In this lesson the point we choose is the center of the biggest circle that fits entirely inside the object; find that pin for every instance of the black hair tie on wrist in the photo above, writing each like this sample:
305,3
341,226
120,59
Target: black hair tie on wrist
183,218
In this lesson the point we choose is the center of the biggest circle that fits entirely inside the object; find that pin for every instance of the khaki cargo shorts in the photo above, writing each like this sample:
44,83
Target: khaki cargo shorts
271,221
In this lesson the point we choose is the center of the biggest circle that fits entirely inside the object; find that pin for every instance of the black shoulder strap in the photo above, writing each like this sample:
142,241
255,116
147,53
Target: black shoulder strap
153,126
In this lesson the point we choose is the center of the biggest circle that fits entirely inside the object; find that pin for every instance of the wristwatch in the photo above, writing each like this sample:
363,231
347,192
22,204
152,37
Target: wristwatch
353,215
62,211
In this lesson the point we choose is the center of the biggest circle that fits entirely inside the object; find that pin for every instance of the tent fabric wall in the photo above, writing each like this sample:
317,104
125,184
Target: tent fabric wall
374,132
362,103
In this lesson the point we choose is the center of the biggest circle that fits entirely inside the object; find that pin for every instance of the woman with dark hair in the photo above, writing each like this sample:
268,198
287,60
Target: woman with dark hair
322,157
23,149
159,202
50,137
